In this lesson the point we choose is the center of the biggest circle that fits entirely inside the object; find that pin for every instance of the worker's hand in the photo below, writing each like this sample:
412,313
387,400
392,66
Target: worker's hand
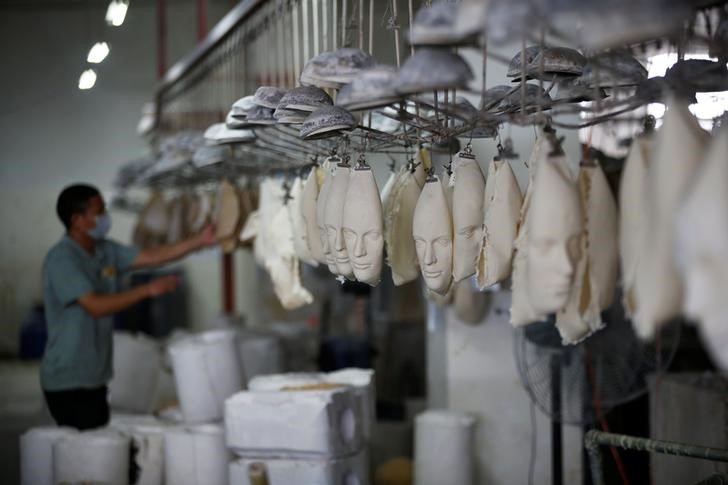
207,237
161,285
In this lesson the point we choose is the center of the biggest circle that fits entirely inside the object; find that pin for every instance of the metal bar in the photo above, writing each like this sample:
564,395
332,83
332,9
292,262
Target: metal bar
217,34
595,438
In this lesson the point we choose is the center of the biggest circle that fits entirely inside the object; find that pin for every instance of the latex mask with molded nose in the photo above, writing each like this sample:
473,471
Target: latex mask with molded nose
309,198
398,215
555,226
363,226
467,214
595,277
679,150
632,216
502,206
522,313
333,218
323,198
433,235
701,238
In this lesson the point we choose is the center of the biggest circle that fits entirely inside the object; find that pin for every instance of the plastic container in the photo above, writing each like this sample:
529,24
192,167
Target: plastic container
196,455
99,456
36,454
206,372
444,448
294,423
137,364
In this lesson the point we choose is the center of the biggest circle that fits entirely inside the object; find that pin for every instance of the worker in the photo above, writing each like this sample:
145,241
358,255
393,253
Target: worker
80,293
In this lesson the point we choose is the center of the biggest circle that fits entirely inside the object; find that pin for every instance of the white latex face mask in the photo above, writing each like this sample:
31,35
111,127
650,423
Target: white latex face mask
555,228
333,218
320,218
363,226
433,235
309,198
701,230
467,216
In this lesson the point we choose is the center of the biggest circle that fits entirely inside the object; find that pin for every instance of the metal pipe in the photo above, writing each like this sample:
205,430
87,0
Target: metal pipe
594,439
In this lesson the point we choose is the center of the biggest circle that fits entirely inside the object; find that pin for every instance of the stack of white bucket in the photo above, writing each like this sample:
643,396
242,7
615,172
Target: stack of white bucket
305,428
207,371
61,455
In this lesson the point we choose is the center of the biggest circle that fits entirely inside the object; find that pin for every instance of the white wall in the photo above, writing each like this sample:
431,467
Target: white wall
52,134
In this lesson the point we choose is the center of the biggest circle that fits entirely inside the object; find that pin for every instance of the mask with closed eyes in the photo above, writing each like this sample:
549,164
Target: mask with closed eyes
363,226
433,235
467,214
555,227
333,218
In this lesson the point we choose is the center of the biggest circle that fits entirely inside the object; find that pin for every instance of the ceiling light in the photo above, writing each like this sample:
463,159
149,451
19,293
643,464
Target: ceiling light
87,79
116,12
98,52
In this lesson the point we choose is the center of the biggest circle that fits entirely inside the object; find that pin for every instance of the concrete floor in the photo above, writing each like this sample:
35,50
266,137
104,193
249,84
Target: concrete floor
21,407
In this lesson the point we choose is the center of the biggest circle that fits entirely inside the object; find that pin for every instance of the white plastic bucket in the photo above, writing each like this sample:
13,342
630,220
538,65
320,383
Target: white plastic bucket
100,456
36,454
196,455
137,362
206,372
444,448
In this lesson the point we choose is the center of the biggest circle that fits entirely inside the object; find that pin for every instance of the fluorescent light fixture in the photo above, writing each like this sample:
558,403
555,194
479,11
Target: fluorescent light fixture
98,52
116,12
87,79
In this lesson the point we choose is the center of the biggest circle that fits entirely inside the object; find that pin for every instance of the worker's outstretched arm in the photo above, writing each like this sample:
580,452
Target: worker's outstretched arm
100,305
172,252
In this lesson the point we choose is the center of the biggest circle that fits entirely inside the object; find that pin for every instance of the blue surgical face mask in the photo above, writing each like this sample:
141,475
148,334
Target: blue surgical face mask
103,225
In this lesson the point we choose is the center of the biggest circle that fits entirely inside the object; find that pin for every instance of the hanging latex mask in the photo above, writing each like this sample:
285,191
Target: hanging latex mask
309,197
632,216
295,212
433,235
386,195
177,209
228,216
363,226
680,147
447,188
323,197
522,313
701,232
401,251
555,227
154,216
248,205
502,203
274,246
333,218
467,214
596,271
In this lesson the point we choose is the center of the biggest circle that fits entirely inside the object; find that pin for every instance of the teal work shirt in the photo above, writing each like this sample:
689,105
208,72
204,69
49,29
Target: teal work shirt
78,352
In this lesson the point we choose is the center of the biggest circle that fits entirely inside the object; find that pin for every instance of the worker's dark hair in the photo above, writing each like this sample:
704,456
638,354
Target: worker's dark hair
74,200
